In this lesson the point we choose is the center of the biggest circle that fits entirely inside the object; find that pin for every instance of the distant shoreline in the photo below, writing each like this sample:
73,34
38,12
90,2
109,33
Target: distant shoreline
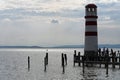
63,46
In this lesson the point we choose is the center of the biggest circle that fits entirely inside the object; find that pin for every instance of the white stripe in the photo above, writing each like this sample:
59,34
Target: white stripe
91,28
91,43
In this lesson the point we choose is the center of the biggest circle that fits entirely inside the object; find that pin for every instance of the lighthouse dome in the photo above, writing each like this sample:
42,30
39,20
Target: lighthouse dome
91,6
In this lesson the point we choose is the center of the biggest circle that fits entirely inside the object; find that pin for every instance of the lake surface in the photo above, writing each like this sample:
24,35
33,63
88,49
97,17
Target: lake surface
14,66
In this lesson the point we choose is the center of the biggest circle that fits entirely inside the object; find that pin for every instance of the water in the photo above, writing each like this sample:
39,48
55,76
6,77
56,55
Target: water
13,66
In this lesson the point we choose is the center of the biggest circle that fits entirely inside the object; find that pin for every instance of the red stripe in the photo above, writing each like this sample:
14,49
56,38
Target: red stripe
90,33
91,23
91,16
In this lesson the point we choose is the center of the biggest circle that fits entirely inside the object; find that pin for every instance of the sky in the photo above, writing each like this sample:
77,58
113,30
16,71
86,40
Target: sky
55,22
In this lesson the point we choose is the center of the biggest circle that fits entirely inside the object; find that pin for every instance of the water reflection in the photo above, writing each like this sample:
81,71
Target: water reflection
90,73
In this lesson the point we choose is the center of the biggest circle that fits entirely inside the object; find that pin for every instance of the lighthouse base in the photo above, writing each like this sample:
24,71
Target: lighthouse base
90,55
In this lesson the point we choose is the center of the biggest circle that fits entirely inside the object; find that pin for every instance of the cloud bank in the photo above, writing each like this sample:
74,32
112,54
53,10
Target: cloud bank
55,22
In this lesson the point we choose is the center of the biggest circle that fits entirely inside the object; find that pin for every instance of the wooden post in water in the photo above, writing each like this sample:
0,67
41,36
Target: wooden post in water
74,51
107,59
74,57
113,61
28,63
100,60
45,63
79,59
83,65
65,57
46,58
63,66
119,61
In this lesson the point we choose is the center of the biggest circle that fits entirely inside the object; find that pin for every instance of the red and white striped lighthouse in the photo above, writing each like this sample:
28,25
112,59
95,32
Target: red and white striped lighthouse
91,38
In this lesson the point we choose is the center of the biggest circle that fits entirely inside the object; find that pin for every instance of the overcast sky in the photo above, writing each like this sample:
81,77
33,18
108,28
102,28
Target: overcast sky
56,22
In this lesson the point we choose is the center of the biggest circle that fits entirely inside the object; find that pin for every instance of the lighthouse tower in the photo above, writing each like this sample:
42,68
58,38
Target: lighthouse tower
91,38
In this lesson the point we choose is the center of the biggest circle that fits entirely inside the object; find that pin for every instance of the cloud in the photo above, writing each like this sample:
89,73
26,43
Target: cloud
61,8
54,21
109,34
30,21
7,20
108,1
50,5
35,31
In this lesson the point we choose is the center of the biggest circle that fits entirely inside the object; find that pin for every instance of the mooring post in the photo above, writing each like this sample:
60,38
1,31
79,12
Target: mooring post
113,60
83,66
107,59
28,63
62,59
46,58
79,59
100,60
119,61
65,56
63,66
75,51
115,57
74,57
45,63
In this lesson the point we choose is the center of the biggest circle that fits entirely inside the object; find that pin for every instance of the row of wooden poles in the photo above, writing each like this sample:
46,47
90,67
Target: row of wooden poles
63,62
106,58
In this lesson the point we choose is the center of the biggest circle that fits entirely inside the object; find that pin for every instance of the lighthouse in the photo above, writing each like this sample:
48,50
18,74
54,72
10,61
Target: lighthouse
91,35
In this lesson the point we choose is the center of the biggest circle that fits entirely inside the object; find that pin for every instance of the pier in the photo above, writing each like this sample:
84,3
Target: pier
112,58
104,57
